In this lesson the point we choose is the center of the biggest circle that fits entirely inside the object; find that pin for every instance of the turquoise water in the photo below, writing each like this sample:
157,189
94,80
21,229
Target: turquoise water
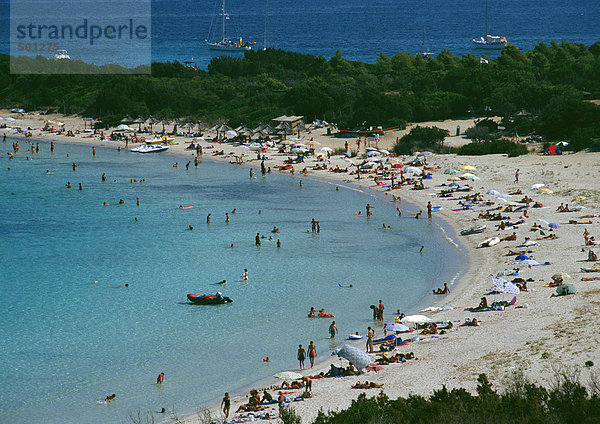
67,343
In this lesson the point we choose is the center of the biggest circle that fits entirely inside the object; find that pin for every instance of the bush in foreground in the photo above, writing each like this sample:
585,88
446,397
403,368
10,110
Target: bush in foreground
493,147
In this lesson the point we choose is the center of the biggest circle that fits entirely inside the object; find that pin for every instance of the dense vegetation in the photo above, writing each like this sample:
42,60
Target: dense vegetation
549,82
522,403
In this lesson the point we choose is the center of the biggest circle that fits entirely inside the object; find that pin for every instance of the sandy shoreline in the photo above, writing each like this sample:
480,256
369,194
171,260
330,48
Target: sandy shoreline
531,339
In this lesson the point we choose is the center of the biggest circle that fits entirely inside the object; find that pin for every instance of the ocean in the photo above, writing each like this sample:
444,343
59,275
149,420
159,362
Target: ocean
68,342
361,30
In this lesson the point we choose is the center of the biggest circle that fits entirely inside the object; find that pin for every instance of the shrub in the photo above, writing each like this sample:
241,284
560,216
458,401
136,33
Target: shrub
493,147
421,138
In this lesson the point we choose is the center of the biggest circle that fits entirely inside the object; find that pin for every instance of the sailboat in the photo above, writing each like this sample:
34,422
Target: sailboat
425,53
490,41
225,44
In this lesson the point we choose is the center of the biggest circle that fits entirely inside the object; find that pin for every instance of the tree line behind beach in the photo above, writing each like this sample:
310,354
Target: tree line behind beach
544,89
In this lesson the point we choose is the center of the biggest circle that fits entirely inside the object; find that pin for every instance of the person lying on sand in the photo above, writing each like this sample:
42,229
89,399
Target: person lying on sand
512,237
470,323
550,237
366,385
518,252
431,330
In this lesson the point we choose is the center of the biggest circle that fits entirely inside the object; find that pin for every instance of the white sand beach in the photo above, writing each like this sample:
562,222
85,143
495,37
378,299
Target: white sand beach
538,335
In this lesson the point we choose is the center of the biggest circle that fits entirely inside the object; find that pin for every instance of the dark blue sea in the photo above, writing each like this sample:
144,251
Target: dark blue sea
360,29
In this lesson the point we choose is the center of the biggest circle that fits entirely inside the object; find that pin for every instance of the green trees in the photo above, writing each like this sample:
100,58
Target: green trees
549,82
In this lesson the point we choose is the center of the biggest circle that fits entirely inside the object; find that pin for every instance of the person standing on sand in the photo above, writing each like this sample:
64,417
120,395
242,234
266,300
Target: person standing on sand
517,177
226,404
370,335
301,356
333,329
312,353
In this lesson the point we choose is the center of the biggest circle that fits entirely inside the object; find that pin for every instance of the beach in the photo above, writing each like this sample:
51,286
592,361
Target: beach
539,335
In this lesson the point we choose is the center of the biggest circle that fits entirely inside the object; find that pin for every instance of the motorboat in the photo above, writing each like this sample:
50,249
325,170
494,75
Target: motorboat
61,55
206,299
151,148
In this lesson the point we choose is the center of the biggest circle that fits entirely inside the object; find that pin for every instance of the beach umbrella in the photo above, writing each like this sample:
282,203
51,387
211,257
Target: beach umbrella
561,276
453,179
412,170
396,327
493,192
578,208
562,143
370,149
372,153
354,355
536,186
451,171
470,177
415,319
385,152
531,262
231,133
288,375
127,119
123,127
521,257
501,285
326,149
468,167
545,191
554,225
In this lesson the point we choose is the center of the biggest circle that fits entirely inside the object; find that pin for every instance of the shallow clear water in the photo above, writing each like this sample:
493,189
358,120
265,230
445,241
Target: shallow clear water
67,343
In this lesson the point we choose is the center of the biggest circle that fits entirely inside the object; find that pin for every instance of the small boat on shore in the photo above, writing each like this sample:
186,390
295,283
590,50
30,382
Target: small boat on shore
206,299
473,230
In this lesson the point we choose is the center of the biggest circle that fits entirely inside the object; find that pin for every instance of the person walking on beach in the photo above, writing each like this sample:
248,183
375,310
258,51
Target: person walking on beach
312,353
226,404
370,335
257,239
333,329
301,356
160,378
517,177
